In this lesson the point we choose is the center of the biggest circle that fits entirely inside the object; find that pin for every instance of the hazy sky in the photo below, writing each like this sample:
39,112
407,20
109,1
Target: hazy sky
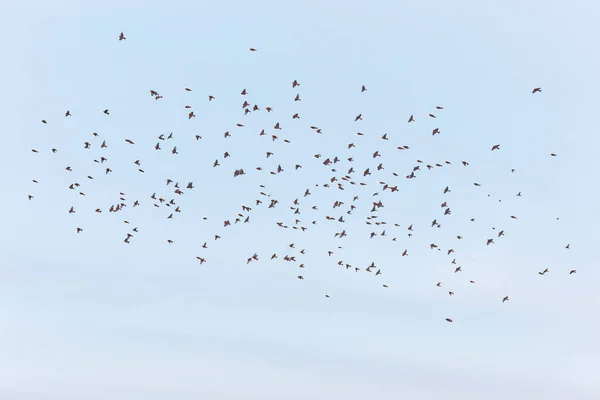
86,316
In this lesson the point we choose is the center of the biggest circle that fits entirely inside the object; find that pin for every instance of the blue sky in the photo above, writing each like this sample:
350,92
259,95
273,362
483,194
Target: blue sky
88,316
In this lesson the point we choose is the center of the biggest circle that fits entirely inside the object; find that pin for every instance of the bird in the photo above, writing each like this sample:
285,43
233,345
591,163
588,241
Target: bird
122,37
536,90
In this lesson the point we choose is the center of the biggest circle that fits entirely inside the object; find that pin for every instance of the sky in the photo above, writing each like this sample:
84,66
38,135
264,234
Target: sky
88,316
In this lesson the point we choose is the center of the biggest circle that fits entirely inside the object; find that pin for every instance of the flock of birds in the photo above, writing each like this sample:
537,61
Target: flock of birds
345,182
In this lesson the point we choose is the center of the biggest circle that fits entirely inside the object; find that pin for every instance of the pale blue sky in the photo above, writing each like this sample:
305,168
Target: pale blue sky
88,317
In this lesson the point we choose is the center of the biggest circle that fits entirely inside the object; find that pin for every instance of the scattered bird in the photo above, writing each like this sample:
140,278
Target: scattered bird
374,168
